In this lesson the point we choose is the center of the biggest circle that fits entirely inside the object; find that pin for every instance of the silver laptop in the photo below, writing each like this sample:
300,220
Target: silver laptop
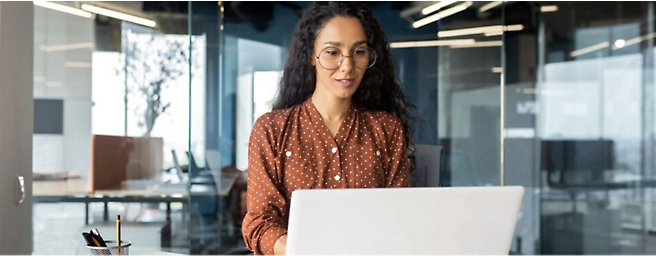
402,221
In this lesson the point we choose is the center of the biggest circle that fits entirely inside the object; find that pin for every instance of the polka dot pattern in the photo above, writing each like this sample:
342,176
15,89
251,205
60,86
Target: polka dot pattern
293,149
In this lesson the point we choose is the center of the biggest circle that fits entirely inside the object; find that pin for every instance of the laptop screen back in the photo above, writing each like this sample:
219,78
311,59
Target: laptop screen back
463,220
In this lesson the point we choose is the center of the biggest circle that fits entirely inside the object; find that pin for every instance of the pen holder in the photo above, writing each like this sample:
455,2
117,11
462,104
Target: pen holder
111,249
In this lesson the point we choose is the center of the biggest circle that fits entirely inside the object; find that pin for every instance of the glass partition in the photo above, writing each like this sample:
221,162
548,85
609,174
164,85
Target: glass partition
520,145
469,80
248,40
63,50
594,121
112,112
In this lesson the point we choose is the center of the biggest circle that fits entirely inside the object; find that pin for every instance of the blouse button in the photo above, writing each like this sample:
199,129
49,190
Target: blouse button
377,152
337,177
289,153
334,149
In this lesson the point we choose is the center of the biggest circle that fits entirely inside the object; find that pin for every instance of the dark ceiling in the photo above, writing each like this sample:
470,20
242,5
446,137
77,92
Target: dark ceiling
261,14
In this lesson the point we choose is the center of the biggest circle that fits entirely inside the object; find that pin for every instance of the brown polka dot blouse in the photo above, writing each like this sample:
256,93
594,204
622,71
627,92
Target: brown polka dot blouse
292,149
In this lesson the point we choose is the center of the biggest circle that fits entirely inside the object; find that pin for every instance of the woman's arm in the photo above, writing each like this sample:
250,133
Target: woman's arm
263,224
280,248
399,167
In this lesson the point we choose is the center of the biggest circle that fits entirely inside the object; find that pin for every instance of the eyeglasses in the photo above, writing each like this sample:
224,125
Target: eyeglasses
332,58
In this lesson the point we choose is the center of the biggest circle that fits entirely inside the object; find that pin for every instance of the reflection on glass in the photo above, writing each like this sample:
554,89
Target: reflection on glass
120,96
594,118
469,106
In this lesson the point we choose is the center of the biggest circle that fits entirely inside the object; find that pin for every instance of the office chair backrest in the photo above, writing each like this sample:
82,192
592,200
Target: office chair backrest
428,161
176,166
193,166
213,159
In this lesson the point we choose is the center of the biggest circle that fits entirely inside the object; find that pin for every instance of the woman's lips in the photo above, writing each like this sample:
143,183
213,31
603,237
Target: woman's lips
345,82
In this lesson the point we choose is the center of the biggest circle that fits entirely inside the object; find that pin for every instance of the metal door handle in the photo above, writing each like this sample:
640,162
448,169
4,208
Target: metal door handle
20,190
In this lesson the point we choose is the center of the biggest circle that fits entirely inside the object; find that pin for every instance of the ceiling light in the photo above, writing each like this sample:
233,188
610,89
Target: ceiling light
589,49
442,14
66,47
479,44
63,8
497,69
54,84
119,15
468,31
549,8
493,33
620,43
516,27
633,41
415,9
489,6
431,43
75,64
487,30
435,7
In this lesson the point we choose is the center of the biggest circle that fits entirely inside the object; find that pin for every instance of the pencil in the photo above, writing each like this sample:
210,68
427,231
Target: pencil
118,233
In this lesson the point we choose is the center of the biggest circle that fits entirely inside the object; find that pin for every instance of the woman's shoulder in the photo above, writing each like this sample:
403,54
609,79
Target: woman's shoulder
275,119
382,118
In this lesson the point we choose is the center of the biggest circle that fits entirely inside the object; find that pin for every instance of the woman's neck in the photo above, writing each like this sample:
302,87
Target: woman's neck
332,109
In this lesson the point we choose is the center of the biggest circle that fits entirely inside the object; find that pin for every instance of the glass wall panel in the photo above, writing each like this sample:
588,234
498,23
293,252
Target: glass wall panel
252,39
112,112
594,123
63,53
468,95
520,144
208,187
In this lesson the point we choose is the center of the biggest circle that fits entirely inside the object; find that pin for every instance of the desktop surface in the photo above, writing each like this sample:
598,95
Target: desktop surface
463,220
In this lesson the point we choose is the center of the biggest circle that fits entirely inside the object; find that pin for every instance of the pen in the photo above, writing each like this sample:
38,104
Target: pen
91,240
87,239
118,233
94,232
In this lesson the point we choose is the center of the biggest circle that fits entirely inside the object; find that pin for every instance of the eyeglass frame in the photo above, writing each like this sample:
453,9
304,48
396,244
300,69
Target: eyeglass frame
339,63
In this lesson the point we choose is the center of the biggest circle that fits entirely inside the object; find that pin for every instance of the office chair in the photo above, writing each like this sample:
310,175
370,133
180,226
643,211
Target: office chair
177,167
212,159
239,251
208,204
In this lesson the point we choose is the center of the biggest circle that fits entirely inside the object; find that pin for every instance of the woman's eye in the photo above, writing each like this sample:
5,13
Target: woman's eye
331,52
360,52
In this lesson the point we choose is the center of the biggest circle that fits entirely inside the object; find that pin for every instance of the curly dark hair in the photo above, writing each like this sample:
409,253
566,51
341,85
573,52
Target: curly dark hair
380,89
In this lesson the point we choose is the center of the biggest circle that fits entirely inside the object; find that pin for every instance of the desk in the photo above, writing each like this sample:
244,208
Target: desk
78,191
638,183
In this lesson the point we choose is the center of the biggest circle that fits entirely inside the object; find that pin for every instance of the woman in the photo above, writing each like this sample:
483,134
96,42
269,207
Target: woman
340,120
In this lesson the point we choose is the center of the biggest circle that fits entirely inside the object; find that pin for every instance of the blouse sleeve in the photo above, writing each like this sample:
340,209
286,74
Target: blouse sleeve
263,223
399,167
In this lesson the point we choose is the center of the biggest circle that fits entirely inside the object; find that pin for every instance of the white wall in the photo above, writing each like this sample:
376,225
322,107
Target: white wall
252,57
63,44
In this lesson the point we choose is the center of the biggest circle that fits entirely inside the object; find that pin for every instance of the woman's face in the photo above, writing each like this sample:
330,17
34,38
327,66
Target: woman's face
335,78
